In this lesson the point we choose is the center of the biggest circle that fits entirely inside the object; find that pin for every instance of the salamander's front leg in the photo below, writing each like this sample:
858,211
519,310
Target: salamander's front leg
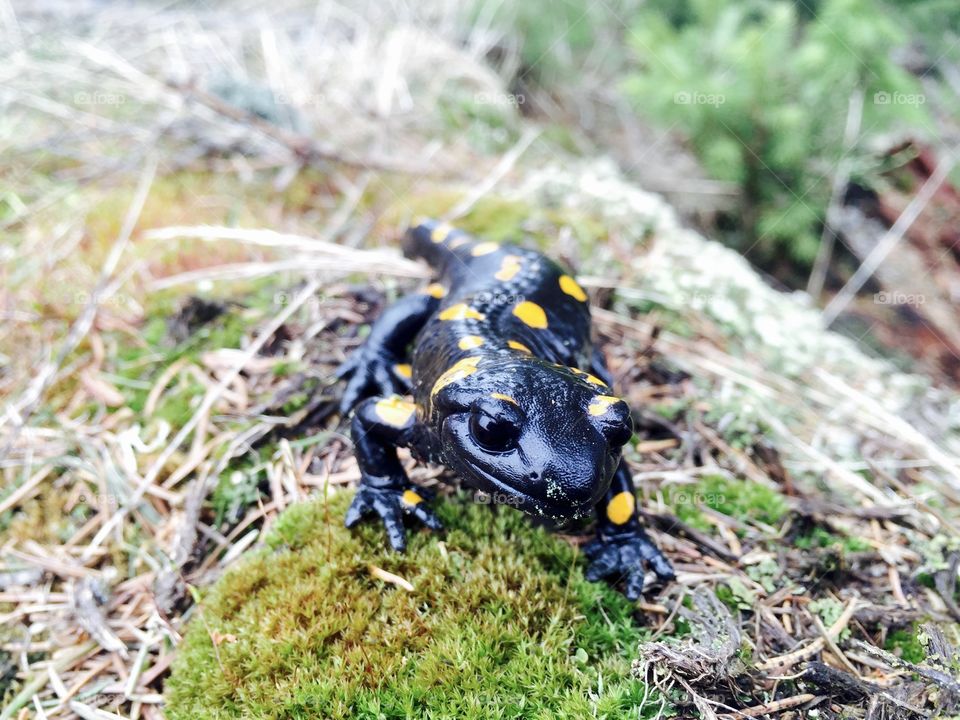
378,427
380,366
622,548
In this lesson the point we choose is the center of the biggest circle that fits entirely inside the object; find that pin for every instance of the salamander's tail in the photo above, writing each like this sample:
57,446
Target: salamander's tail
434,241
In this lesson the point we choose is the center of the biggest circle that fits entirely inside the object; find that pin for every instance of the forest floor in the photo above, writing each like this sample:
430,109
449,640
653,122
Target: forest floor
189,248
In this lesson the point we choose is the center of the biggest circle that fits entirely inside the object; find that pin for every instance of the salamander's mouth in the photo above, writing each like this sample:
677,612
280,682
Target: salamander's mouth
505,494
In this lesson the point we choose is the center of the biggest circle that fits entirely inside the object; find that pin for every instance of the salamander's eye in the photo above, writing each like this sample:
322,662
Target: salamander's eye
491,433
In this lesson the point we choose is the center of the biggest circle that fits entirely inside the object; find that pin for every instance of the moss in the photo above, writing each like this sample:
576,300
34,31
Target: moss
501,623
820,538
492,217
907,644
42,519
741,499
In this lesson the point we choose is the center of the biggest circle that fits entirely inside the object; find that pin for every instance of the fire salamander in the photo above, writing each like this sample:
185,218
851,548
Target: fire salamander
508,392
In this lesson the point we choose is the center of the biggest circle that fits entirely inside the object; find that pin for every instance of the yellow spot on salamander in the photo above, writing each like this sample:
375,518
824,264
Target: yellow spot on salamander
531,314
469,342
593,379
505,398
394,411
456,372
484,248
461,311
440,233
519,346
572,288
410,498
458,241
601,403
403,370
620,508
435,290
508,268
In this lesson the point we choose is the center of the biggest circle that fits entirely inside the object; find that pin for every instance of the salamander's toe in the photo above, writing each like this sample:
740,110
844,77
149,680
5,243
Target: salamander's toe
625,558
427,517
633,588
358,508
604,563
389,511
391,505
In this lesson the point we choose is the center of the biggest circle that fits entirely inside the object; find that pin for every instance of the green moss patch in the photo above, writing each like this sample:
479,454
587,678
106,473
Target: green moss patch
743,500
500,623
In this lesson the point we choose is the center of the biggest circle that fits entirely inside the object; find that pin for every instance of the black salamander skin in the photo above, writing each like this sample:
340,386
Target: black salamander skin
508,392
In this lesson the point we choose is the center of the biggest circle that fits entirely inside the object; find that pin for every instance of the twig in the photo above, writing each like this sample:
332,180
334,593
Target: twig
499,171
889,240
840,179
771,707
390,577
782,662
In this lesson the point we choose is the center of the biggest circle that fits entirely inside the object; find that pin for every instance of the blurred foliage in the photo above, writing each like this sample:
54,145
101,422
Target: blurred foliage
763,91
555,37
937,24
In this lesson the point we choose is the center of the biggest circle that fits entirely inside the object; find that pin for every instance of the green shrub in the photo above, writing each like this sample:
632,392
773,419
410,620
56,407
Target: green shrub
763,95
559,41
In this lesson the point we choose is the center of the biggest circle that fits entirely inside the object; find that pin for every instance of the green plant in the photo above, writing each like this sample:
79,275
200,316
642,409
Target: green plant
937,23
763,92
743,500
907,643
829,611
821,538
555,38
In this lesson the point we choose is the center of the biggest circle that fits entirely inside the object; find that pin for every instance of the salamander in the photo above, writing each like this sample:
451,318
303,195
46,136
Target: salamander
507,391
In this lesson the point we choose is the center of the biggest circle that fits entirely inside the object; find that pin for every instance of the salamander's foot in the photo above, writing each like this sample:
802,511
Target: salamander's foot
625,556
368,374
391,504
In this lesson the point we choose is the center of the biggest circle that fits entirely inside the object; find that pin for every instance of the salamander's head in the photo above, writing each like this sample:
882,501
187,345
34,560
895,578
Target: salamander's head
541,437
